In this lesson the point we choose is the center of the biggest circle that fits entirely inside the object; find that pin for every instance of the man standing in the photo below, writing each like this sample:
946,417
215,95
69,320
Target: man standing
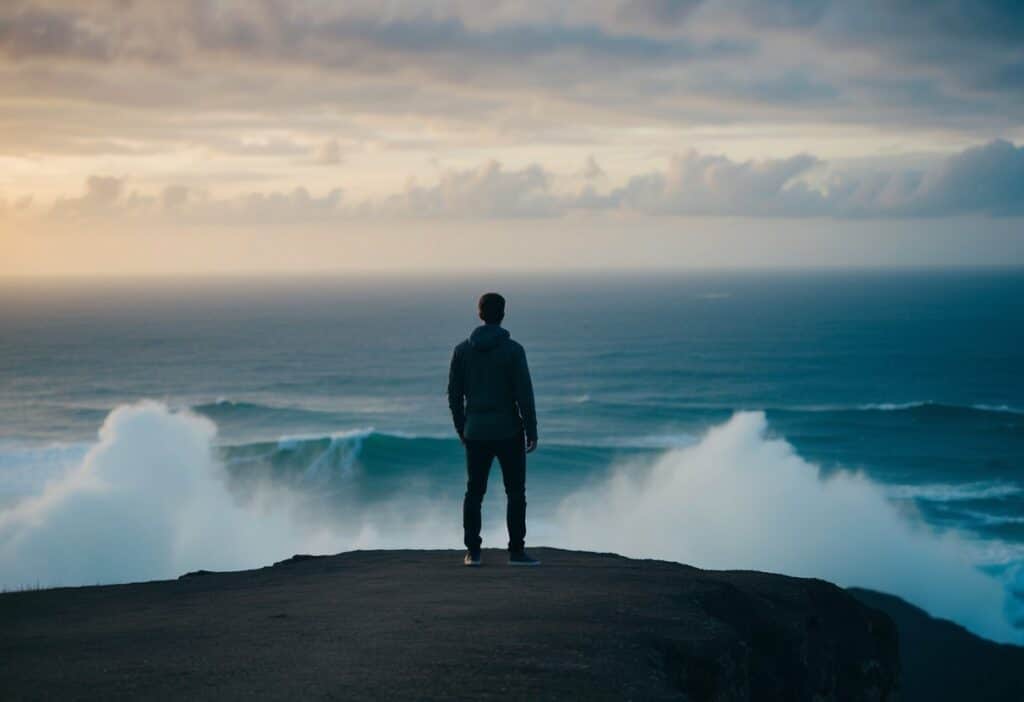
491,399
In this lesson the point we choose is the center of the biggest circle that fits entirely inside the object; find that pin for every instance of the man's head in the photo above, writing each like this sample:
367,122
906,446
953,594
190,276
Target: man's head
491,308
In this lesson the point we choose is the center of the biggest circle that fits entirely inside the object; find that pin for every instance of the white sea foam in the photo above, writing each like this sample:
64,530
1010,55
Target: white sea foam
936,492
991,520
999,408
293,441
893,406
147,501
738,499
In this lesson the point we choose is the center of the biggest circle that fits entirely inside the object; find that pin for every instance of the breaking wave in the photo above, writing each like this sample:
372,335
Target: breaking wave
155,497
739,499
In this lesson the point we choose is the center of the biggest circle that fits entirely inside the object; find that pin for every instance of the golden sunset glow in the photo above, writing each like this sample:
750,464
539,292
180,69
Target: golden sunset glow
212,135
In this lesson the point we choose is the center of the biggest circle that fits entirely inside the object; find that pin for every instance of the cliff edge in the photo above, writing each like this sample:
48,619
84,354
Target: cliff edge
418,625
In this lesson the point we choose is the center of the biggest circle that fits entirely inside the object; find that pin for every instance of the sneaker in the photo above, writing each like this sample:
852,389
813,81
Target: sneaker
521,558
472,558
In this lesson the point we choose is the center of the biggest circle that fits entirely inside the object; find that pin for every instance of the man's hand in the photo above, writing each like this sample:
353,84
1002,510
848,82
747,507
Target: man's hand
531,445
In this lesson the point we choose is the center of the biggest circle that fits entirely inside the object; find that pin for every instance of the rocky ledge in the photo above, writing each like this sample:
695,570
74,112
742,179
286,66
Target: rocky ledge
418,625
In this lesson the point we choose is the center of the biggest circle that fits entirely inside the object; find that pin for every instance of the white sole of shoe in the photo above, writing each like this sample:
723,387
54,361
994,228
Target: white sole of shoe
524,565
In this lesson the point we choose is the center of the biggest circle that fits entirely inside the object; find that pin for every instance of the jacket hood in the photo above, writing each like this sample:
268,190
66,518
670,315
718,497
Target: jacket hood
487,336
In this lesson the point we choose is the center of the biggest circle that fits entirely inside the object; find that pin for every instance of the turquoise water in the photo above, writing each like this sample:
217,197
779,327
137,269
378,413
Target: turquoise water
330,393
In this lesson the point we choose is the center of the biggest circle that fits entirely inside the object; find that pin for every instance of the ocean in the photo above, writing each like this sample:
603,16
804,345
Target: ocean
864,427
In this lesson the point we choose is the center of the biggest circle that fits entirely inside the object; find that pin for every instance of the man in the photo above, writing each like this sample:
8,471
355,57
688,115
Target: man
491,399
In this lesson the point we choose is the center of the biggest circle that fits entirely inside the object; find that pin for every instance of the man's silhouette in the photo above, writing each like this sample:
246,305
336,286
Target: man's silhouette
491,398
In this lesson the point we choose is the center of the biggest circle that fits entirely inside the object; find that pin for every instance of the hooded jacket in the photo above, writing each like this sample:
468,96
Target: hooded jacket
489,389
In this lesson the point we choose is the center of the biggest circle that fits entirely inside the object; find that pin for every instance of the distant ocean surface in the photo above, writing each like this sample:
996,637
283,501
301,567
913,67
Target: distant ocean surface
864,427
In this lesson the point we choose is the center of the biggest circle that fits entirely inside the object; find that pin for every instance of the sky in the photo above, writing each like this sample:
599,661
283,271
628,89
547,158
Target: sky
268,136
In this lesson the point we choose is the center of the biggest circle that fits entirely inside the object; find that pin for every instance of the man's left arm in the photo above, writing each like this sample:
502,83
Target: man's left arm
524,398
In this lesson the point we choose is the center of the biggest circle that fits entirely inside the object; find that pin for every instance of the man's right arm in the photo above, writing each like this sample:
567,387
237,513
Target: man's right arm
457,392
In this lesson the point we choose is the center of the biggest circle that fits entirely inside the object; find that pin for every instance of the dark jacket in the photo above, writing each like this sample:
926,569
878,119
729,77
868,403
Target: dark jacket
489,388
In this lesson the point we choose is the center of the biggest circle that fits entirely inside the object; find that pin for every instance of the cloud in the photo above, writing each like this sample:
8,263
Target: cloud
592,169
105,197
696,184
271,146
102,193
329,153
295,205
788,88
174,198
656,13
27,31
983,180
986,179
952,64
488,191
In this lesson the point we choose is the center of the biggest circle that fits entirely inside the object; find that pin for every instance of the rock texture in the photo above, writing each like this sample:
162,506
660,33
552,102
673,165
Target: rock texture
417,625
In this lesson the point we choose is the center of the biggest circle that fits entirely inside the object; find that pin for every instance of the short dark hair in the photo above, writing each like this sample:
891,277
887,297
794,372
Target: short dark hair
491,307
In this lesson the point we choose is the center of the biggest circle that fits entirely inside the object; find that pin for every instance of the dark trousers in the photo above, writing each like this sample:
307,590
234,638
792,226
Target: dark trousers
511,455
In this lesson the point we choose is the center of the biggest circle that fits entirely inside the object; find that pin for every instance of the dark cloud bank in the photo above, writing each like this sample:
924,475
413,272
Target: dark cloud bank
955,63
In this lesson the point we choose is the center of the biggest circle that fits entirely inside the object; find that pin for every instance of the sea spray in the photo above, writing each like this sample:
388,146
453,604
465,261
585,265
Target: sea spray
151,499
739,499
147,501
